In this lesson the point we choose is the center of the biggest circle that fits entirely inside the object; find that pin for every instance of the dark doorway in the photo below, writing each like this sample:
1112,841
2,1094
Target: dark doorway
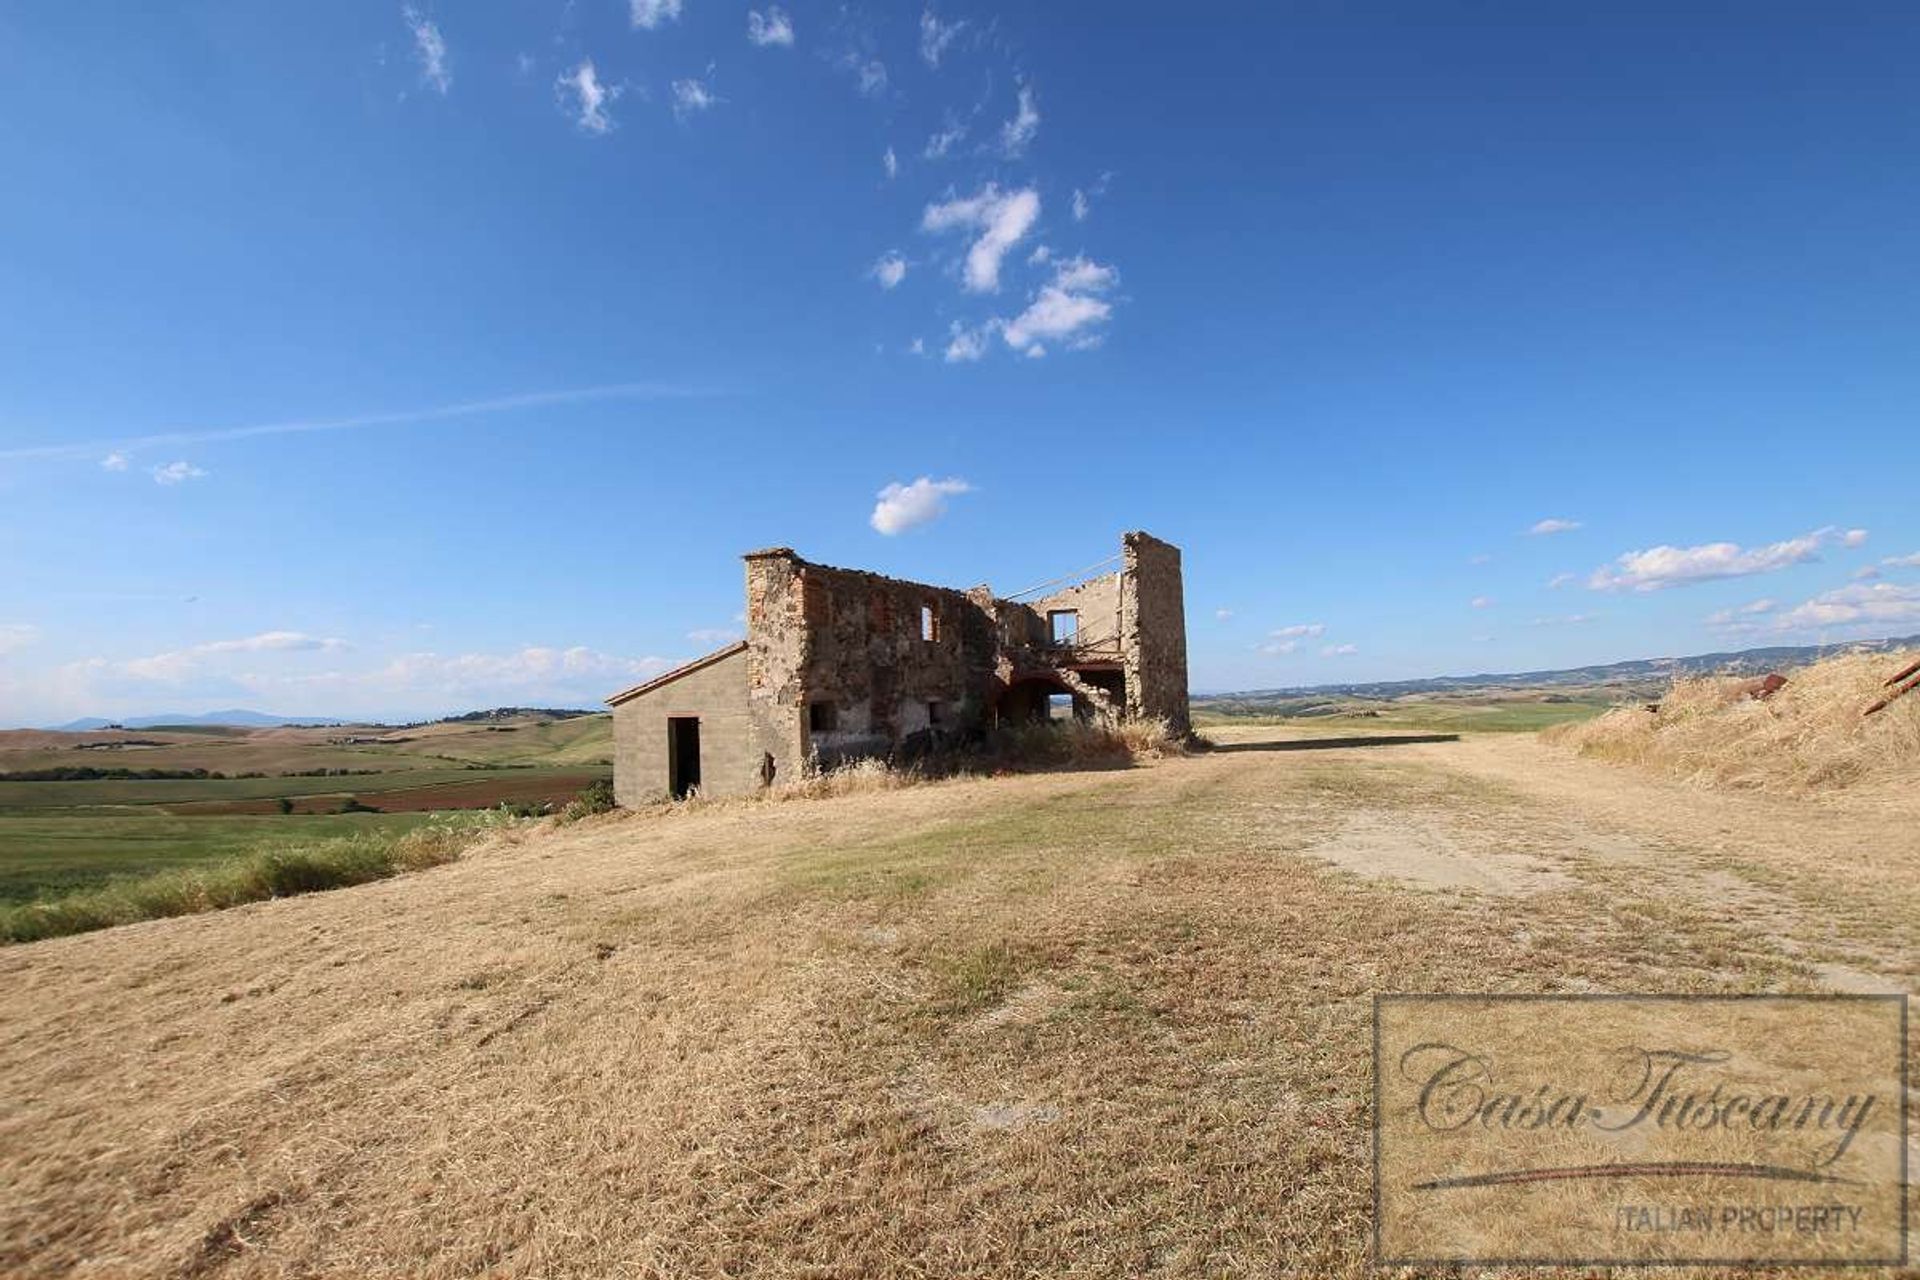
683,755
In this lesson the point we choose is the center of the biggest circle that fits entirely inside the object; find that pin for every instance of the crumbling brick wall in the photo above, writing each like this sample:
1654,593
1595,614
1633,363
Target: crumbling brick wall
1153,631
854,644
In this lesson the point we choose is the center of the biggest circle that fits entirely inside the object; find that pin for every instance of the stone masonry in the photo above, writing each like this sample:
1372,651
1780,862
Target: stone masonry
840,663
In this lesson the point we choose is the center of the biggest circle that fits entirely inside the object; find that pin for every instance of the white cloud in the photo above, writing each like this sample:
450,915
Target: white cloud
890,270
1866,573
1016,133
906,506
1480,558
1562,620
1879,604
590,98
1741,617
15,636
397,418
773,27
1903,562
1854,537
891,163
431,49
1040,256
965,345
1002,220
1222,615
918,347
115,461
179,664
176,472
651,14
693,96
1277,648
1553,525
1658,568
1300,630
1481,602
1559,580
1339,650
936,36
869,74
938,144
714,635
1066,307
1083,198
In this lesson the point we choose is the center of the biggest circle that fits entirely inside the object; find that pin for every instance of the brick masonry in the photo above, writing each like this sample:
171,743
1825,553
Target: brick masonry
841,663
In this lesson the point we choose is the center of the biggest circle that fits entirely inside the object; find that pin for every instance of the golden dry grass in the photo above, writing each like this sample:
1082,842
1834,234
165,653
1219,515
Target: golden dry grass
1111,1023
1809,737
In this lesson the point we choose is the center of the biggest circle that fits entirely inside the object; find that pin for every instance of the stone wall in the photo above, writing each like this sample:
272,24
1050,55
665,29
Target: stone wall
717,694
1153,631
853,643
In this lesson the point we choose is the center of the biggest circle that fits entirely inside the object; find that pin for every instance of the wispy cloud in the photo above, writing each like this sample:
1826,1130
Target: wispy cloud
430,48
890,270
769,29
1001,219
1854,538
1659,568
1287,639
180,664
1222,615
1552,524
1083,197
1480,602
907,506
1903,562
936,36
1017,133
966,344
690,97
1879,604
1562,620
1742,616
1065,309
649,15
1339,650
1560,580
714,635
949,136
15,636
869,73
590,98
891,163
404,417
177,473
115,461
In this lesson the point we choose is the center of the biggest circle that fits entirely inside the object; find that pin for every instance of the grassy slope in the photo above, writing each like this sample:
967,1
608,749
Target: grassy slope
44,857
1102,1024
57,837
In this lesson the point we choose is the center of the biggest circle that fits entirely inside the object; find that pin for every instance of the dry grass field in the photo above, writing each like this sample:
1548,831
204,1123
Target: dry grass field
1095,1023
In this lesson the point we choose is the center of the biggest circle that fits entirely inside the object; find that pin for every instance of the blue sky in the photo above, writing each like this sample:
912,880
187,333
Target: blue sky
378,359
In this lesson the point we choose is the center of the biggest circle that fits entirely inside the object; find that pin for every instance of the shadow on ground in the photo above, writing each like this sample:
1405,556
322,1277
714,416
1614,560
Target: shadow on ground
1329,744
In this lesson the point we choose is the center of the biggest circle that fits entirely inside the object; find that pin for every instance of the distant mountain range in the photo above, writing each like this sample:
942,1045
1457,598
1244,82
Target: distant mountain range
237,718
243,719
1735,662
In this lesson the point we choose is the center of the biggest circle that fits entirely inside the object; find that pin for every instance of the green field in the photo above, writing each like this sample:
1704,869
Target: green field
63,837
47,857
1348,716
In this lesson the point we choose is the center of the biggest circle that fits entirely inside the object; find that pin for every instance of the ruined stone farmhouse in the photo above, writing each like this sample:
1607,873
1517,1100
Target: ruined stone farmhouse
839,663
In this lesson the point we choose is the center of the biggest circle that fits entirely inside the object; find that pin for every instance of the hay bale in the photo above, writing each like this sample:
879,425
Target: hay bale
1808,735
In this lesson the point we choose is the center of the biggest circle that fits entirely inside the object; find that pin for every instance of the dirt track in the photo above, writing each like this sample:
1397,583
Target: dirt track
1112,1021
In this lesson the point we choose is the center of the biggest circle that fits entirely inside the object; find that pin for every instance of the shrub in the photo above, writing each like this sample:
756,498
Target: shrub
595,797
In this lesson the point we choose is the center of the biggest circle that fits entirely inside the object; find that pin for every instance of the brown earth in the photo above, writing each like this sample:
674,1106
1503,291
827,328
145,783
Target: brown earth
1100,1024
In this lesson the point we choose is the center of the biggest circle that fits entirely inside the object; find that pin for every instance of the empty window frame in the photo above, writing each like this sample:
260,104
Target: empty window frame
1063,625
929,622
823,716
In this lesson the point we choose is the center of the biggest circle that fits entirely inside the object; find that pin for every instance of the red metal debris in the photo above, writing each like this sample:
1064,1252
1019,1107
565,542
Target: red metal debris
1765,687
1902,682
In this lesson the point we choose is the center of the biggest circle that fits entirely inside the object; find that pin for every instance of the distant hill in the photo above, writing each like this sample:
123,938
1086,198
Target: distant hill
238,718
1639,670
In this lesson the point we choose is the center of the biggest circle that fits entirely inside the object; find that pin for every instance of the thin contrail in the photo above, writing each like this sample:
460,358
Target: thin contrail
463,409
